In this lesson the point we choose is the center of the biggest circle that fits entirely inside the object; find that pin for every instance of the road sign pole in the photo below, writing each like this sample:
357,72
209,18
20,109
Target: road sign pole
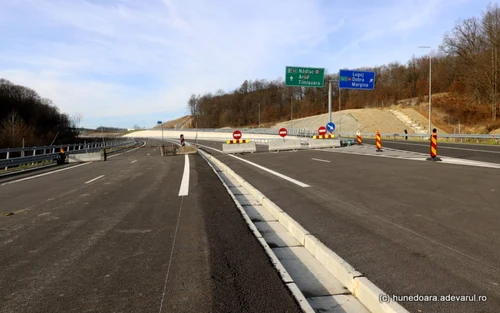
340,121
330,100
162,132
430,92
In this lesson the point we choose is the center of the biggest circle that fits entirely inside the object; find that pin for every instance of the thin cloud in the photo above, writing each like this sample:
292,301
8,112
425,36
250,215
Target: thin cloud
127,57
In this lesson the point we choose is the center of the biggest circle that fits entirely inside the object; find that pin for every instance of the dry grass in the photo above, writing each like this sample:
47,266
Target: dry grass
179,123
448,109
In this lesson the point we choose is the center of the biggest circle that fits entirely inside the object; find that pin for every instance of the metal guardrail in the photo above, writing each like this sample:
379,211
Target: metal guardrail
49,153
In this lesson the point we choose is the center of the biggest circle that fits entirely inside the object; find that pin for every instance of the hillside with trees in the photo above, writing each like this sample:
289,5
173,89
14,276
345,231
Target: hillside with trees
26,118
464,73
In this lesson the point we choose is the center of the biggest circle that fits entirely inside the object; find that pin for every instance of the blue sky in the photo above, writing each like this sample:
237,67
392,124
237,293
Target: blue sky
126,62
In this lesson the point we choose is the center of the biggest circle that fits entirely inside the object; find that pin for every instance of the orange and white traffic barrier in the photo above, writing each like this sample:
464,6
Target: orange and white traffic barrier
378,142
324,136
237,141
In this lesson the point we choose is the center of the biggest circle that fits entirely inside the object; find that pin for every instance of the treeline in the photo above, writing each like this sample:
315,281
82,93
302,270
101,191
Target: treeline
465,65
110,129
26,118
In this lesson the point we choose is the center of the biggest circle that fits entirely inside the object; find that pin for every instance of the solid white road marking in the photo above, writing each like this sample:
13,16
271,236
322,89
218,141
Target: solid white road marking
320,160
133,161
148,154
184,190
44,174
294,181
88,182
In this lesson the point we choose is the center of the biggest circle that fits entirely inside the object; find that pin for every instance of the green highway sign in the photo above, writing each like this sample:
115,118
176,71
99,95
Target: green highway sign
304,76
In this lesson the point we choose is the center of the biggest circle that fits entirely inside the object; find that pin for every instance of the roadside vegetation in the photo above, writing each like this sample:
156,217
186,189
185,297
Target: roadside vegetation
464,73
29,120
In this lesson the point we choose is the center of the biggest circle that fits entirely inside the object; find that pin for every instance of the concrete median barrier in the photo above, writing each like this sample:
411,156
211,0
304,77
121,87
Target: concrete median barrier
86,157
284,144
323,143
239,147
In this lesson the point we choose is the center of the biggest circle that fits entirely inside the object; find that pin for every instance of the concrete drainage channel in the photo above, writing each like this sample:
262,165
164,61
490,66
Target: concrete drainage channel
318,278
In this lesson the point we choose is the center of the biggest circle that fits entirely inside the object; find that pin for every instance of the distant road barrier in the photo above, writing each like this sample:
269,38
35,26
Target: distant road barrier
267,134
239,147
285,144
12,157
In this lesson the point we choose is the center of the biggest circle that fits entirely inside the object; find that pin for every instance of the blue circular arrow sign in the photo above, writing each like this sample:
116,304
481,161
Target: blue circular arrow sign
330,127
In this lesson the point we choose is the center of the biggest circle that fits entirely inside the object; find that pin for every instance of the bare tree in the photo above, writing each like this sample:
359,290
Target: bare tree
14,131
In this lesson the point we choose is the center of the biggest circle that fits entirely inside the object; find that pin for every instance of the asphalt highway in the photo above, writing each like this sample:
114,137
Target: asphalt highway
476,152
127,235
413,228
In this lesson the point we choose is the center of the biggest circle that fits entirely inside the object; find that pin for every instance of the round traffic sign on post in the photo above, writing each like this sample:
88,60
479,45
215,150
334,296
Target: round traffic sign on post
237,134
330,127
283,132
322,130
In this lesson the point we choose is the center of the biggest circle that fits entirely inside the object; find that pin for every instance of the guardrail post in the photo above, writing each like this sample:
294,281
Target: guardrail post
8,153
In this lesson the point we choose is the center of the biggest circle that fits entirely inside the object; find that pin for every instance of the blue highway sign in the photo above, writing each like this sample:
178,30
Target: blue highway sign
159,122
330,127
356,80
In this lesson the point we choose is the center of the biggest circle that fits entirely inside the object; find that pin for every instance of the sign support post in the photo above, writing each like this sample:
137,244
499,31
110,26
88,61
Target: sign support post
161,123
340,121
330,100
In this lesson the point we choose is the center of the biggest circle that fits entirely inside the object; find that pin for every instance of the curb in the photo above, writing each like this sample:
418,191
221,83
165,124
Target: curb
360,287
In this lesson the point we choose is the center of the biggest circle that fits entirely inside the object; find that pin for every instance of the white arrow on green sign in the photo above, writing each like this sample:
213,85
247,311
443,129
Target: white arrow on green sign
305,76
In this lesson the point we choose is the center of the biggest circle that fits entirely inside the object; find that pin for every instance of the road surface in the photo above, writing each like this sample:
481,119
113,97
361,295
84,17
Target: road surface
413,228
116,236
